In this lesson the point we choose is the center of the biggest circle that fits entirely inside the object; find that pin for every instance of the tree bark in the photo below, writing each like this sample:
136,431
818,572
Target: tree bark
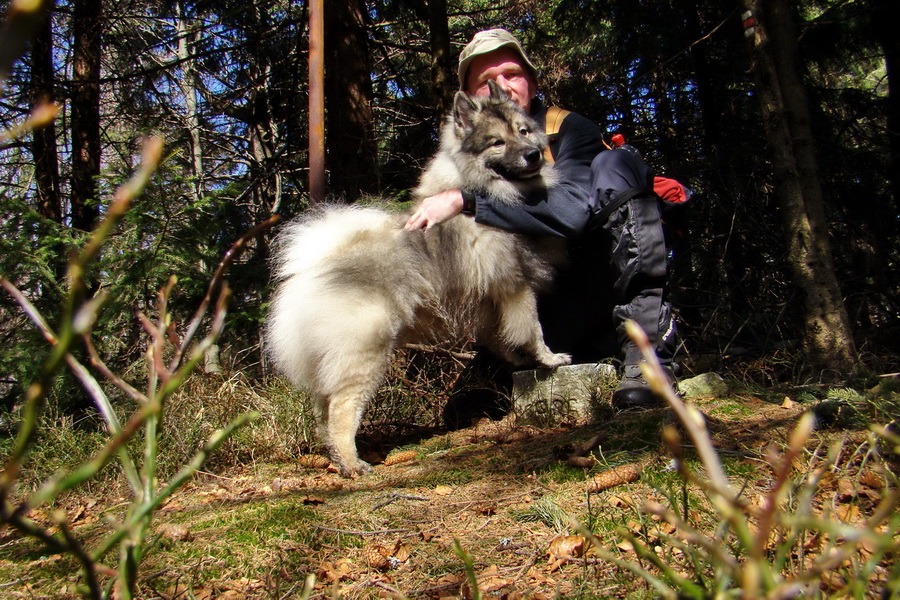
885,16
43,145
442,74
188,85
85,102
828,340
349,121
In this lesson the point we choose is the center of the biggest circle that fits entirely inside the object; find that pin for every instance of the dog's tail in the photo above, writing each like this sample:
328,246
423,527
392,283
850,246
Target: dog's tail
303,244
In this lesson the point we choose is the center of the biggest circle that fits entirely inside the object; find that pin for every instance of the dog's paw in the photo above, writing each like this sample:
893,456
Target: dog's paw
359,469
552,361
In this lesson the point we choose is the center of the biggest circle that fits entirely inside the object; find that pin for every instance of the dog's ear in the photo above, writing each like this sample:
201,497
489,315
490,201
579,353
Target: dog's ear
464,109
497,92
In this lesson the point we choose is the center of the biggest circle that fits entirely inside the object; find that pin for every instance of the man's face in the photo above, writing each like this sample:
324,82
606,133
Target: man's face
503,66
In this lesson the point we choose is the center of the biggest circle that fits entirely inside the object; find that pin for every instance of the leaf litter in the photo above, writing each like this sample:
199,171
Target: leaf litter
263,529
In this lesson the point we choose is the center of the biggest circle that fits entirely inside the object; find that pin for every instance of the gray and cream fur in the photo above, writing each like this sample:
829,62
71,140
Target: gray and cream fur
353,285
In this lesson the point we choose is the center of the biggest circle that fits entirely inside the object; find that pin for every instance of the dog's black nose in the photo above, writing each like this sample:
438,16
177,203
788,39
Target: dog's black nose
532,157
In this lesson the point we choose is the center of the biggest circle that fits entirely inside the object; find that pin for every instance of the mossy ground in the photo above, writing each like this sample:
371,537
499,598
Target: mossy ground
258,528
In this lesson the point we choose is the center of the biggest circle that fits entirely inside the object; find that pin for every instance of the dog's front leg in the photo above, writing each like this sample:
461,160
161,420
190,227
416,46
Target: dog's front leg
520,330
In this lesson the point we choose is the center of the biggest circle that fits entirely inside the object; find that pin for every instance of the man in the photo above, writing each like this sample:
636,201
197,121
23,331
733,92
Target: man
589,180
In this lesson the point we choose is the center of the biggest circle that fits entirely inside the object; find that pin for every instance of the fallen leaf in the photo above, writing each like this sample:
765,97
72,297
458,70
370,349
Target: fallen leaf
848,513
486,508
788,403
443,490
845,488
618,501
871,479
400,551
174,532
489,580
566,546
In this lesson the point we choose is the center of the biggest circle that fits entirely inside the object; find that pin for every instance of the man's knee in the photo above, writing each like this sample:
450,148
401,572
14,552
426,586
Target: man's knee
618,170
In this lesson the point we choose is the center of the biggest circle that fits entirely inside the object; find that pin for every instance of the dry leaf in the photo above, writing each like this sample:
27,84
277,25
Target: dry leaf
870,479
492,583
400,551
566,546
848,513
333,572
617,501
845,488
176,533
443,490
788,403
486,508
488,581
400,457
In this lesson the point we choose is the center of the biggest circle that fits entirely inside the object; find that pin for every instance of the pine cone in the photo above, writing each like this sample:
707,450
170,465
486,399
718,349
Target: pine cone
613,477
376,556
400,457
313,461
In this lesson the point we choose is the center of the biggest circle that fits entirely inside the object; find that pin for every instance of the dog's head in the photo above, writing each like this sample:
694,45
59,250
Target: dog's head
493,128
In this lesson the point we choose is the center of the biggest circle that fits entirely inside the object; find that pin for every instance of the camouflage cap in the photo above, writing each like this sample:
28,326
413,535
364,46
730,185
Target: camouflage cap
487,41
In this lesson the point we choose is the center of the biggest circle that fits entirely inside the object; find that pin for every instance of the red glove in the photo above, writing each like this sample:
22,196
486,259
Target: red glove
670,190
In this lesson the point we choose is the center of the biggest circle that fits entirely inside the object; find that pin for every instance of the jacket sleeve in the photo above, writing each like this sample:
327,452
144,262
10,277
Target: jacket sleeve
563,210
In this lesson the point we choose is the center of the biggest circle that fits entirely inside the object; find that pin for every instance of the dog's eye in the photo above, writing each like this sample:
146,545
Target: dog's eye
524,130
498,142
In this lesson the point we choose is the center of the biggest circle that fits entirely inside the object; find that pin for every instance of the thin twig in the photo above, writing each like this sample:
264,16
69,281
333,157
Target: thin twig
355,532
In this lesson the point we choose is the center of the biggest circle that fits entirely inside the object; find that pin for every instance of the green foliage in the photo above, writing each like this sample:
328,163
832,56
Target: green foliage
164,376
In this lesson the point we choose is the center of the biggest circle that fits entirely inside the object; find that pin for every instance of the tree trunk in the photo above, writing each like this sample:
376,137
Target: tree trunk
85,101
350,143
188,85
885,16
828,341
442,73
43,145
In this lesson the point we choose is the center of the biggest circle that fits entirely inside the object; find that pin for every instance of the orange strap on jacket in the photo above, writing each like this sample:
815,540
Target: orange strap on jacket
554,118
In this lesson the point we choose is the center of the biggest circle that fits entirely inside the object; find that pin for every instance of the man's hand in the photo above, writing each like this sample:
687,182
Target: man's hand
436,209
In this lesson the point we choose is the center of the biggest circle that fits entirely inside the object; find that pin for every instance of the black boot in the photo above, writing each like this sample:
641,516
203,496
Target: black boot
634,393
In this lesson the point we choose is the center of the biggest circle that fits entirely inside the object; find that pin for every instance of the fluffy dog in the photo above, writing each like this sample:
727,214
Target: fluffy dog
353,285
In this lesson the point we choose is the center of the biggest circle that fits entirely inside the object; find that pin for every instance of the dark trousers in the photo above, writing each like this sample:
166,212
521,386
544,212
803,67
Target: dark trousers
637,253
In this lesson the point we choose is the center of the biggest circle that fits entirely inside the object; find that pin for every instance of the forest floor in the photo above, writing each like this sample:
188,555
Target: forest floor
501,497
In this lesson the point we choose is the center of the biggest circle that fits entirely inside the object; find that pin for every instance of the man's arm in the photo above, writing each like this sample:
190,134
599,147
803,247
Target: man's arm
564,210
436,209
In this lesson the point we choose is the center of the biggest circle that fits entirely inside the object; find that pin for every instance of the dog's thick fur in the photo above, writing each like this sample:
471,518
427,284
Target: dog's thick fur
353,284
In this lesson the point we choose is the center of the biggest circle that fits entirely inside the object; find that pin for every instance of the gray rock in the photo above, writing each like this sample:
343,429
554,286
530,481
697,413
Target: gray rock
569,394
706,385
